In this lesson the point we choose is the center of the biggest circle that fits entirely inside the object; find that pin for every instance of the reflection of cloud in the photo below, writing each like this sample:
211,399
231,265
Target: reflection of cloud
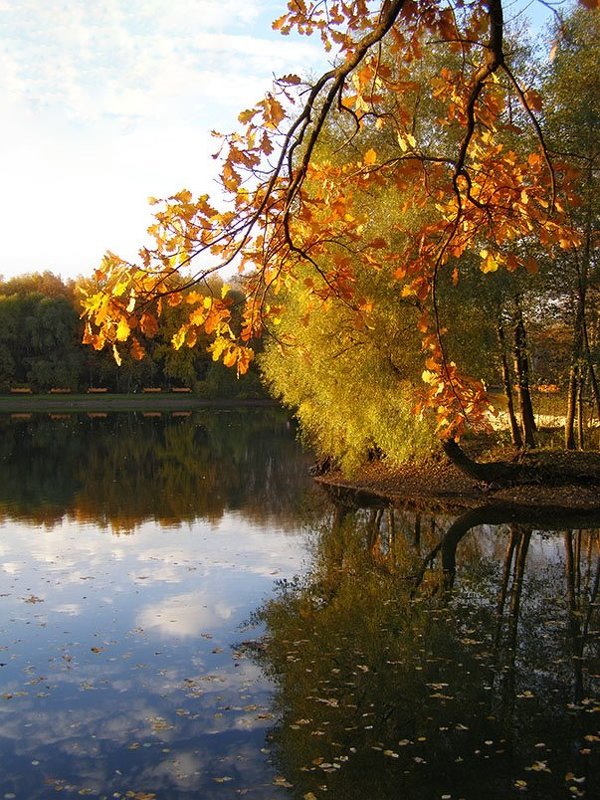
13,567
184,615
71,609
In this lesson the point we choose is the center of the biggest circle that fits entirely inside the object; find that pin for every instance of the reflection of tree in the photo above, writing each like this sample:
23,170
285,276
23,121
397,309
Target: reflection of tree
124,469
408,666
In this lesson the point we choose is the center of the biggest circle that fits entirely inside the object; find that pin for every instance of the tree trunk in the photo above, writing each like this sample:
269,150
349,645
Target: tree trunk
509,473
591,368
515,432
571,407
580,410
575,371
481,471
522,374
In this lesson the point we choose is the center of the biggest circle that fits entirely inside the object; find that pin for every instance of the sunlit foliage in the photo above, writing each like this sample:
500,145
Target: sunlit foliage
284,209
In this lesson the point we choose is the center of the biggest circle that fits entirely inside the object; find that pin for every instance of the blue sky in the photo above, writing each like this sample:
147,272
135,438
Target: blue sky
104,103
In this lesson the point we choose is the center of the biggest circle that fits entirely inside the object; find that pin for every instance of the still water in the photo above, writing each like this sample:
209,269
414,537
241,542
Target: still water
184,614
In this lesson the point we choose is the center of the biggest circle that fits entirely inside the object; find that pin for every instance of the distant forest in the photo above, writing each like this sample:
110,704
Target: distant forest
41,349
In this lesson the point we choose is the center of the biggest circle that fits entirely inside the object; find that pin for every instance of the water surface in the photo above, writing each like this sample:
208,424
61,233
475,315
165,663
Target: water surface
183,614
132,551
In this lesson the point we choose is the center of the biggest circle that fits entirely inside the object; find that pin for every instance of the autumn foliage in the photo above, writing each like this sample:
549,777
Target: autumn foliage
284,211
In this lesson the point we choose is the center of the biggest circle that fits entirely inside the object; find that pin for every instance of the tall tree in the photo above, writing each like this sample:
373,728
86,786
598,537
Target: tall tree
286,210
572,122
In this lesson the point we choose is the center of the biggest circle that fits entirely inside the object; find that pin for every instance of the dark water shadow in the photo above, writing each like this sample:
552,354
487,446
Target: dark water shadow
427,656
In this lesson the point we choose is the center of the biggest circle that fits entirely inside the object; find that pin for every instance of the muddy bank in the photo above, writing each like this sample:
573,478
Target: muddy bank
438,485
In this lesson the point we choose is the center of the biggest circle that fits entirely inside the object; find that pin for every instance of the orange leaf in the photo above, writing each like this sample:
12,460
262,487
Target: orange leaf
137,351
229,358
149,325
290,80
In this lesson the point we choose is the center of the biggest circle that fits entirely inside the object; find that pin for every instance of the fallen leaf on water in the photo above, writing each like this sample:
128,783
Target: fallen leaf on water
141,795
539,766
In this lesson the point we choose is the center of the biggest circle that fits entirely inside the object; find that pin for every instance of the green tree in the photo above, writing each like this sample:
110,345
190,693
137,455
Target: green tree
572,122
293,215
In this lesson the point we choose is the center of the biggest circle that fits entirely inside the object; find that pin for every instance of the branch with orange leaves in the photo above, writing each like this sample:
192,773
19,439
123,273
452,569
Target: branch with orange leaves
266,169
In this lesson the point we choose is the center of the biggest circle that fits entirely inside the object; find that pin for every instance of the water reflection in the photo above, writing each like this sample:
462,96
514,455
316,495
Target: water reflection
419,656
124,469
120,674
426,657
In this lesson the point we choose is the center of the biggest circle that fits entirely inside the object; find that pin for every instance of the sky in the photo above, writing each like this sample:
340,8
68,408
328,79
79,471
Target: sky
104,103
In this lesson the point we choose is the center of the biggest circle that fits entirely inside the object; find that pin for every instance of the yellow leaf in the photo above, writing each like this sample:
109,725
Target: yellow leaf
490,263
246,116
229,358
217,347
123,330
370,157
120,288
178,339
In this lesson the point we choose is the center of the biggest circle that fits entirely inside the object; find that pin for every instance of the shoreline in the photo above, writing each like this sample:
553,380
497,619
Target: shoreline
440,486
434,484
107,402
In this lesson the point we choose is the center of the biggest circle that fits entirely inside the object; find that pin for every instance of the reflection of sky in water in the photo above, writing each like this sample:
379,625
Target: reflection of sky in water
120,671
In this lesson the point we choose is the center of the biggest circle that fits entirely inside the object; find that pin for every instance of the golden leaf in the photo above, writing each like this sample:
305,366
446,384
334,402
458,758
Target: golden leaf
123,330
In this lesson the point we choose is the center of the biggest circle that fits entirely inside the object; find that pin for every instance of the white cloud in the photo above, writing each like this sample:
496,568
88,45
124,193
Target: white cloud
184,615
106,103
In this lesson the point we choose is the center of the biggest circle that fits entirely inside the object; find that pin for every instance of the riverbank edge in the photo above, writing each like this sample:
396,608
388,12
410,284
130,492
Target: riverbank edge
441,487
152,401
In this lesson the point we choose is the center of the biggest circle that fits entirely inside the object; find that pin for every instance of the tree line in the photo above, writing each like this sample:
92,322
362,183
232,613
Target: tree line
41,348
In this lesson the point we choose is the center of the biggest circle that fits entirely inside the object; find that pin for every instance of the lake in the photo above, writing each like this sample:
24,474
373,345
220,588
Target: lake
185,614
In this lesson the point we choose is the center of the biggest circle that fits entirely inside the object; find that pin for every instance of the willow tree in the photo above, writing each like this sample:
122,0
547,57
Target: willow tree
271,221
